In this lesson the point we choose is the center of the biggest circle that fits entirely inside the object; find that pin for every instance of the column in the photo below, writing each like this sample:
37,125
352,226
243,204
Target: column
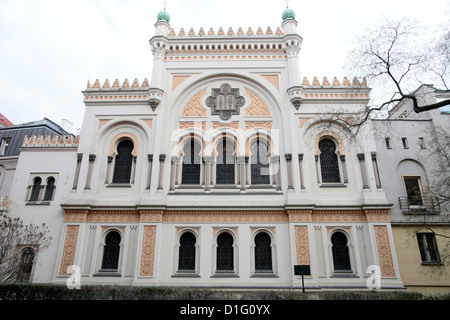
149,174
108,169
208,166
362,166
288,157
162,158
344,168
241,165
91,164
317,168
300,167
375,170
77,171
133,169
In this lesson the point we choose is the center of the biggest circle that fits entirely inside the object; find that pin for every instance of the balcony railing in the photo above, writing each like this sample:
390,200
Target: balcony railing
427,205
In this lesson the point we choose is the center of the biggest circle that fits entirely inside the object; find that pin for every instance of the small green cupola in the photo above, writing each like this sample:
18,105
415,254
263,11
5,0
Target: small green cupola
163,16
288,14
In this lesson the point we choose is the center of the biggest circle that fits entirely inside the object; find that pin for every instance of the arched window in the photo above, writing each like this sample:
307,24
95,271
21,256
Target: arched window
26,265
191,163
263,252
111,250
36,189
329,165
124,162
225,162
225,254
49,188
259,162
186,259
341,256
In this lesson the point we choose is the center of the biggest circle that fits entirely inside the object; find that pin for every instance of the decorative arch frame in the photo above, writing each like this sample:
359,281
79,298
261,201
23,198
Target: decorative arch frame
176,270
108,137
227,273
350,248
101,249
271,233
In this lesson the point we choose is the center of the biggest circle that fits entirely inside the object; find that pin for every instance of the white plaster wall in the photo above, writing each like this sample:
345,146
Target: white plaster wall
43,161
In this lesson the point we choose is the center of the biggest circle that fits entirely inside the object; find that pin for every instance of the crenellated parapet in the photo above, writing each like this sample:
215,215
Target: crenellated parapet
356,90
50,141
116,85
117,92
230,33
225,45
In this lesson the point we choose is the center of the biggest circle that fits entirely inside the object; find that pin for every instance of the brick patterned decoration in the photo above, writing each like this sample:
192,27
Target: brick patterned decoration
225,216
194,107
148,251
384,251
302,245
70,245
257,106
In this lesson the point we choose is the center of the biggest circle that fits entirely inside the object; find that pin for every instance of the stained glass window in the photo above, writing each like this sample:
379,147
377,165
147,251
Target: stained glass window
341,256
263,252
225,252
191,163
225,162
329,165
111,251
186,260
124,161
259,162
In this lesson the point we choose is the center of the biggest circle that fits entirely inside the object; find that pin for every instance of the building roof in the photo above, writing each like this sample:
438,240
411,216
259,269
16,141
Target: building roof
4,122
16,133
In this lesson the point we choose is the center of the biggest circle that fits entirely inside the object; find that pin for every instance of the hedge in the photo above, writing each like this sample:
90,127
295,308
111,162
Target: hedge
16,291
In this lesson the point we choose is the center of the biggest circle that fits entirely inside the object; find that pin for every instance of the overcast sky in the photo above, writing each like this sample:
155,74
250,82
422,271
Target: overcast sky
49,49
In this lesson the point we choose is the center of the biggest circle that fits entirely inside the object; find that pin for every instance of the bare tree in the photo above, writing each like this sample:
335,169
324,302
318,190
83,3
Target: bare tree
396,58
439,149
19,245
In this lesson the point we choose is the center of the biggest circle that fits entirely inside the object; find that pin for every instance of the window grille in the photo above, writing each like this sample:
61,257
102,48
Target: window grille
191,163
36,189
329,165
341,256
225,252
259,165
225,163
124,162
263,252
186,259
111,251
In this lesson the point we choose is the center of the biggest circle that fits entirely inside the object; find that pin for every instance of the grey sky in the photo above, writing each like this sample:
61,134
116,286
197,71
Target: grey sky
49,49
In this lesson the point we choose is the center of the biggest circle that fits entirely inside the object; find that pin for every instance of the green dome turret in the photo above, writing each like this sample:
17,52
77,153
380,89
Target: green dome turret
288,14
163,16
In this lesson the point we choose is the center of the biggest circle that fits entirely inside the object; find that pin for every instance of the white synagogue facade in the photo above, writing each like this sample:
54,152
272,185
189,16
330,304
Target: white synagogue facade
216,172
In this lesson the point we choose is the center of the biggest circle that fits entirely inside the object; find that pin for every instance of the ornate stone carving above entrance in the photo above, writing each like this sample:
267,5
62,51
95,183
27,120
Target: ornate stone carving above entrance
225,101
